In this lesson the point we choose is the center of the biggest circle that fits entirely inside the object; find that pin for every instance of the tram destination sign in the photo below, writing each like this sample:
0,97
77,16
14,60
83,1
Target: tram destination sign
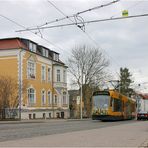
101,93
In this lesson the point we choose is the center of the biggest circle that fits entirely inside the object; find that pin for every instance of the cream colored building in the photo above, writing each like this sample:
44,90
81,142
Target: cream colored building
46,94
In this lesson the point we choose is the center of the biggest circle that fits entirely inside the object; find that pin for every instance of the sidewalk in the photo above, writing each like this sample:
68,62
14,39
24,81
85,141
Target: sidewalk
125,135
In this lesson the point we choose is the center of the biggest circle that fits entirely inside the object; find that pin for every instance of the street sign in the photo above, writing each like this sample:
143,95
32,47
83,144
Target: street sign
125,13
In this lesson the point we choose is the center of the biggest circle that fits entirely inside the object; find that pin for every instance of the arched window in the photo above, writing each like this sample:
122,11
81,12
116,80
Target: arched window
49,98
31,69
31,96
58,75
55,100
43,95
64,98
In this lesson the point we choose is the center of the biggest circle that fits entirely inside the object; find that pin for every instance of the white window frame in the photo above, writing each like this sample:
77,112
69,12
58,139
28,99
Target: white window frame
32,47
31,71
43,97
46,53
43,52
30,103
43,73
55,99
64,76
64,98
58,75
56,57
49,74
49,97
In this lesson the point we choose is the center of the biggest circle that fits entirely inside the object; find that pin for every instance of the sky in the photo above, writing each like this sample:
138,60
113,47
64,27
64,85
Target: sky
124,42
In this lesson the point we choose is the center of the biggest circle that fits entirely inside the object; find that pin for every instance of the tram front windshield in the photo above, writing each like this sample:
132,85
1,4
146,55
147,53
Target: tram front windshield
101,101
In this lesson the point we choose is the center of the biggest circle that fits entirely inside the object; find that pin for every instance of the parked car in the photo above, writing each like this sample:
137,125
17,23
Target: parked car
142,116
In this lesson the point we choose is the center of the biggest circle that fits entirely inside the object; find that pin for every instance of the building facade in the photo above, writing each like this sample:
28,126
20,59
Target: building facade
46,95
142,102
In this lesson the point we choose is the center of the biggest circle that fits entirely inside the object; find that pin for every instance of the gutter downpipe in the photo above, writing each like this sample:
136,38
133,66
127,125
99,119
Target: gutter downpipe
53,92
20,83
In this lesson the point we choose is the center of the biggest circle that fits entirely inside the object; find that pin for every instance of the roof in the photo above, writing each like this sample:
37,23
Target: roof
11,43
74,92
20,43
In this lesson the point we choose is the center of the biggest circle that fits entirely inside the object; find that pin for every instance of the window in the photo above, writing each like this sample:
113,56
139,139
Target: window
64,76
31,96
55,100
43,94
117,105
31,69
43,72
32,47
44,52
56,57
64,98
49,75
101,102
58,75
49,98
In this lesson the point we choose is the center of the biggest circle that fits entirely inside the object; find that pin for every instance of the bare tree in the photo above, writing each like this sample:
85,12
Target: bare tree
87,64
9,92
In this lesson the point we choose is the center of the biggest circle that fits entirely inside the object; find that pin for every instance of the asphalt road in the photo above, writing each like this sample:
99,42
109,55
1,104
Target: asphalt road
34,129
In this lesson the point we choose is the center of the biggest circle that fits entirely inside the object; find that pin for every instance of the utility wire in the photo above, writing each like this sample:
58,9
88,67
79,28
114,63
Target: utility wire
66,17
22,26
76,14
83,31
86,22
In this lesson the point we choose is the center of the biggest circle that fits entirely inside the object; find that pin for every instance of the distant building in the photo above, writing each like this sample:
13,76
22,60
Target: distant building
142,102
46,95
75,103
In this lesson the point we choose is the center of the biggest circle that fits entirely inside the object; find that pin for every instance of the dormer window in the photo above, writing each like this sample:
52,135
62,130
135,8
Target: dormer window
55,57
44,52
32,47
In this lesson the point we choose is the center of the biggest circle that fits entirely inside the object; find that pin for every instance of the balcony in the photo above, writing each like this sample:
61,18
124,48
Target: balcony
31,76
60,84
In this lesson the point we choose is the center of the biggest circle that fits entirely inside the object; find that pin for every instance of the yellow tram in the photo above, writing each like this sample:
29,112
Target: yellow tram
111,105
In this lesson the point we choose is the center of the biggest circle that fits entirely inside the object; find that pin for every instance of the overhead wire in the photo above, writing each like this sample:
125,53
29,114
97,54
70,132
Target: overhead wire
73,15
22,26
87,33
80,28
87,22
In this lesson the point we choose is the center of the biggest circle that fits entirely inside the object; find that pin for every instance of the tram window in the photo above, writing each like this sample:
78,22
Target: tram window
117,105
111,101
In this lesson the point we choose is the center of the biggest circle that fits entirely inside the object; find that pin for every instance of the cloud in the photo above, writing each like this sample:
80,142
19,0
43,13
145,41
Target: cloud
125,41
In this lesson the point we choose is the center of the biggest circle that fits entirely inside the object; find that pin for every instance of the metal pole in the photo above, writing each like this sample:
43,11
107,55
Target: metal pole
81,96
53,91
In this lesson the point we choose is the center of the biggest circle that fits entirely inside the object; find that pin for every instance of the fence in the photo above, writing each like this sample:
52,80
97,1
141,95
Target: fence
7,113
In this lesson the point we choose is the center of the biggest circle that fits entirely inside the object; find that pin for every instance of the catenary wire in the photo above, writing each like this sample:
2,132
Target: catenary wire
73,15
22,26
83,32
87,22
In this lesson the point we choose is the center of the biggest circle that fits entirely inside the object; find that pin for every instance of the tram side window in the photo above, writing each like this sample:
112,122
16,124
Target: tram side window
111,101
117,105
